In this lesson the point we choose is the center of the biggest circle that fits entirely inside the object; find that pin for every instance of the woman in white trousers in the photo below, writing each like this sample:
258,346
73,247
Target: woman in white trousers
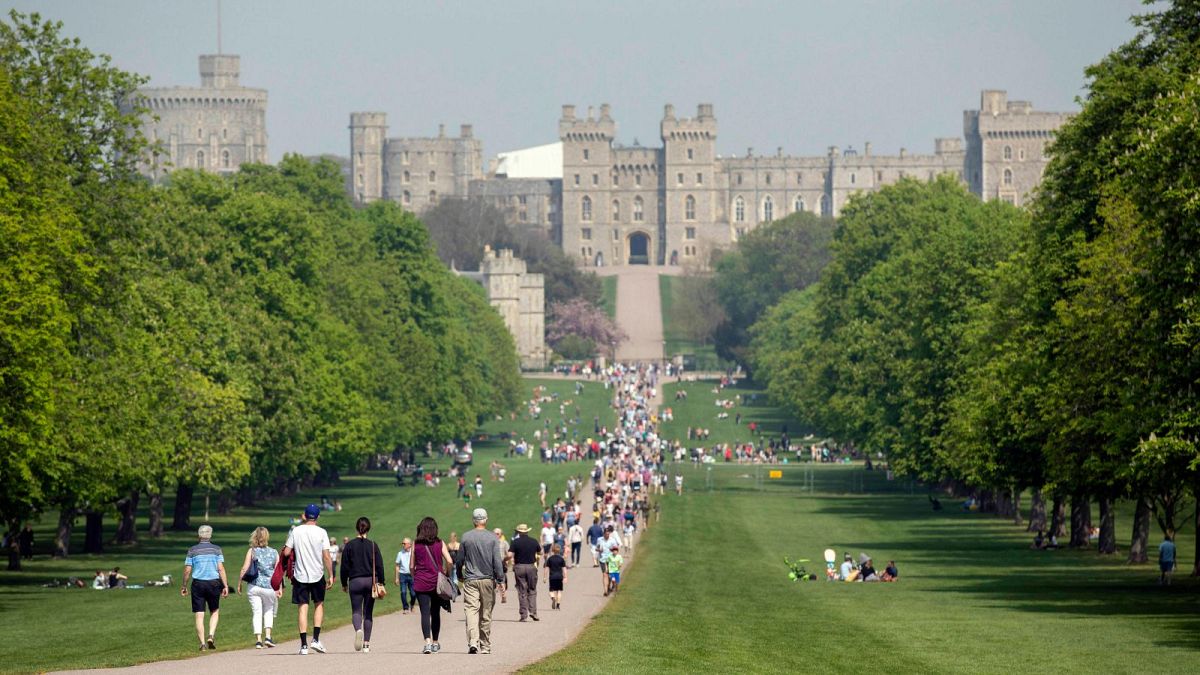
264,600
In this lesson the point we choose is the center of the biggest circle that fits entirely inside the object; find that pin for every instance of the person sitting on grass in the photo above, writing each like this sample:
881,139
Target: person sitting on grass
1039,542
866,570
615,561
846,571
890,573
116,579
100,581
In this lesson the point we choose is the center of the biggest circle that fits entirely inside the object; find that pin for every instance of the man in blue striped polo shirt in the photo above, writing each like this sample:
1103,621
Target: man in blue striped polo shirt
205,564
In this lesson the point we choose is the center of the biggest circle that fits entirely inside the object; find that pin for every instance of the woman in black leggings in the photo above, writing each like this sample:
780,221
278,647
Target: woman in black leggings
429,557
362,567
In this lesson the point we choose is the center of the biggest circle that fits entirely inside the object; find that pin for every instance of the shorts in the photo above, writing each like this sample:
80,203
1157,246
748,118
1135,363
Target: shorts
206,592
546,548
308,593
556,585
615,576
1166,566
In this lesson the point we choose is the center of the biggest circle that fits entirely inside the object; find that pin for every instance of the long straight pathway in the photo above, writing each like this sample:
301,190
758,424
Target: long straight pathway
639,310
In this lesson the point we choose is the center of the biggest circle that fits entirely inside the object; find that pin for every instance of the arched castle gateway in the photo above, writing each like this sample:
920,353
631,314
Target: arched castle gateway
607,203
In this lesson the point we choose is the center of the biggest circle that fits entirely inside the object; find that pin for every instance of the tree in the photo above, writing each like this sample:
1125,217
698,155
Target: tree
581,319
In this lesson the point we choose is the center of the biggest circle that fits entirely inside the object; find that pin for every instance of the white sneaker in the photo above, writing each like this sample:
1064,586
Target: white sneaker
366,649
316,645
358,640
304,650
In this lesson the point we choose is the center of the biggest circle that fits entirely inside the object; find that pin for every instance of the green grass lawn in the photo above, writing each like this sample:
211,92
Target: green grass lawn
708,591
608,299
700,411
677,342
90,629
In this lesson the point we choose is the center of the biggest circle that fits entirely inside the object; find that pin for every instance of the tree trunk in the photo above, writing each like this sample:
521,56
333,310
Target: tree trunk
156,515
1004,504
1108,526
1016,506
1141,531
62,536
1080,515
224,503
245,496
987,501
1058,517
1195,560
127,526
1037,512
93,538
183,508
14,549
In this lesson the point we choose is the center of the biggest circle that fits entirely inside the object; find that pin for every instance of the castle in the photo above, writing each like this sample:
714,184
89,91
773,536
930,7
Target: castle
609,204
520,299
216,127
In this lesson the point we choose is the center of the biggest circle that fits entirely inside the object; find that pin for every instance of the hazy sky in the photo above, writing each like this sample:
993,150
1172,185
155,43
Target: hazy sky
801,74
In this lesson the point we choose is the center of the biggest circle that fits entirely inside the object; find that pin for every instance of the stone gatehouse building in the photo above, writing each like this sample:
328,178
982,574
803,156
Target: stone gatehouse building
611,204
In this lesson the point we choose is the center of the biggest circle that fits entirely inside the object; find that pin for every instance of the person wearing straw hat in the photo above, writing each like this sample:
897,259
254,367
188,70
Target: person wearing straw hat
525,552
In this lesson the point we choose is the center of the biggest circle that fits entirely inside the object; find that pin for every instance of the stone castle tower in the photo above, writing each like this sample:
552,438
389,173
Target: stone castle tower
520,298
216,127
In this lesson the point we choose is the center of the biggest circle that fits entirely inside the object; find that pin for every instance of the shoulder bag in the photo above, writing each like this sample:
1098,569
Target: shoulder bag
252,570
378,590
445,589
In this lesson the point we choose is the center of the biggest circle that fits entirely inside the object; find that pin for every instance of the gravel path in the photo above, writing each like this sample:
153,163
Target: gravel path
639,310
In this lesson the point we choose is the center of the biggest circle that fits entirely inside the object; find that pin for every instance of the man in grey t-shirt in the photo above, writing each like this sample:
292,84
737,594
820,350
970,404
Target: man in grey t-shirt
482,570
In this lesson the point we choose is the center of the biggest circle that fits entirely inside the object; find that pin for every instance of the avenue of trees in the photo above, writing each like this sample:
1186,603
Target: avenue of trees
1053,350
218,337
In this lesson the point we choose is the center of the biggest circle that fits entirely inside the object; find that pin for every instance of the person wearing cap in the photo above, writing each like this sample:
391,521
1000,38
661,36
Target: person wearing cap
613,565
205,564
312,574
604,548
482,570
847,568
525,552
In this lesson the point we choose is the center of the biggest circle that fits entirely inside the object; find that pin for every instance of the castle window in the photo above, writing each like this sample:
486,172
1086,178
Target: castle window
637,179
768,209
879,176
225,134
432,176
576,180
826,206
200,134
799,178
1007,152
225,159
689,233
741,232
739,179
406,198
637,210
739,210
404,157
521,200
586,154
1008,176
768,179
689,208
1021,154
690,153
616,179
360,176
616,234
432,197
585,209
200,158
799,205
407,176
699,179
595,179
616,212
679,179
586,234
853,179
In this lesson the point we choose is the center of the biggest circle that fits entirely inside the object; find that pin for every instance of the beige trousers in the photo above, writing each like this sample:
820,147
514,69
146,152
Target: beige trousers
479,597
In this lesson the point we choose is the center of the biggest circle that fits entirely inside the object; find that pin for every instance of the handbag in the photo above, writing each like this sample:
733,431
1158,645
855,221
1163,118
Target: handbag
378,590
277,575
445,589
251,571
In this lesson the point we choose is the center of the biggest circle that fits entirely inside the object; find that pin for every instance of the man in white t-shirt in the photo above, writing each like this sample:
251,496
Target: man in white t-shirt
312,573
548,533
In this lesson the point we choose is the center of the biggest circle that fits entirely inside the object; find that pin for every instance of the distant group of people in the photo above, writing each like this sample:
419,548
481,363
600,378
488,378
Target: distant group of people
864,570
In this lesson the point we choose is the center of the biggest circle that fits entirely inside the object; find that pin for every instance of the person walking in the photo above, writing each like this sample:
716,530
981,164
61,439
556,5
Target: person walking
525,552
604,549
430,557
482,569
362,568
506,556
334,551
404,578
312,574
264,600
1166,558
556,576
595,533
575,536
205,564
